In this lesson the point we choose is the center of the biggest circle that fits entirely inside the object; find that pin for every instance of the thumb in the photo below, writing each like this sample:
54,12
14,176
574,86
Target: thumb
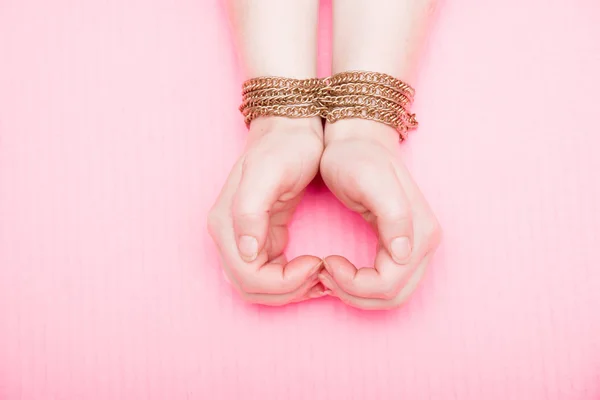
260,187
382,194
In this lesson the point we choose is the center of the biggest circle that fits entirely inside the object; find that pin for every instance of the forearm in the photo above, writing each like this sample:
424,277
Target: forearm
380,35
275,37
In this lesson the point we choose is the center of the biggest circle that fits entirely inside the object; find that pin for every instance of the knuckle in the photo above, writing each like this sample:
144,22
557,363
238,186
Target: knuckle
399,215
240,209
244,212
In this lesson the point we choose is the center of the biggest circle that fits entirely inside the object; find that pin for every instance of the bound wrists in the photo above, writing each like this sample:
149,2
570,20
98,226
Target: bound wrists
352,95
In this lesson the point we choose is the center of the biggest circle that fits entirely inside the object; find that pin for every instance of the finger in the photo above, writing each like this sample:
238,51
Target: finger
275,277
278,235
384,281
377,304
262,182
261,275
300,294
220,216
295,296
371,187
280,278
388,277
381,193
317,291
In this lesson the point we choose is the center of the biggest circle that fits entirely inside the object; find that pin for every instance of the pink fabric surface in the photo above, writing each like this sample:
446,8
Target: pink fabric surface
118,124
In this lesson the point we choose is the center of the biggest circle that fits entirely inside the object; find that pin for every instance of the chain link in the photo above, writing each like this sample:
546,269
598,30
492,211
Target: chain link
353,94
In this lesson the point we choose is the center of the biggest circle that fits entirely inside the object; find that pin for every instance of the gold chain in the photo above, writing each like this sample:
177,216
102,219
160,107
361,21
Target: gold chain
354,94
284,97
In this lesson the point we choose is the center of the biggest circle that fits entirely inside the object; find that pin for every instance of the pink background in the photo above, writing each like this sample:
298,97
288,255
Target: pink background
118,124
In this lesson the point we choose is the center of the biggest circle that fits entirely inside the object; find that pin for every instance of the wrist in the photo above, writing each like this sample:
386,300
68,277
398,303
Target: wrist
310,126
361,130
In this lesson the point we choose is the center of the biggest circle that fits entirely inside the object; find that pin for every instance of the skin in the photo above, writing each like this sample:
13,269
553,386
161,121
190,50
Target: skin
281,157
361,164
358,159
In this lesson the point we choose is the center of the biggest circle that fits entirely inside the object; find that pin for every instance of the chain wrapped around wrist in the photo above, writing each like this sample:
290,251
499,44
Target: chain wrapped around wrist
284,97
353,94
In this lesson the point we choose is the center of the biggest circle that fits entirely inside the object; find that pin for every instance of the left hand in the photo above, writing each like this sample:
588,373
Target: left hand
249,220
360,165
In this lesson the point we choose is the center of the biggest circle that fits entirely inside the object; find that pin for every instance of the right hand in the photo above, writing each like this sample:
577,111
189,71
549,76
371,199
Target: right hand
249,219
360,166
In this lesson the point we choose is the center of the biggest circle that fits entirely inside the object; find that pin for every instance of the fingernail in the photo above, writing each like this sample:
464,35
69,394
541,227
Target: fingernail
248,248
401,249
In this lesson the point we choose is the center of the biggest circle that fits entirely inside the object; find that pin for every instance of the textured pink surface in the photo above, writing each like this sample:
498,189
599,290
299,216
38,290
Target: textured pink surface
118,124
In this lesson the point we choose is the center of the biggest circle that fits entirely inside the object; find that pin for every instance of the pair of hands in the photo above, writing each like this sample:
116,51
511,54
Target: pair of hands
359,163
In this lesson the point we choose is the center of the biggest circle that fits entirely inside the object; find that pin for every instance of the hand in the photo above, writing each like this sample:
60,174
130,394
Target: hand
249,220
360,166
